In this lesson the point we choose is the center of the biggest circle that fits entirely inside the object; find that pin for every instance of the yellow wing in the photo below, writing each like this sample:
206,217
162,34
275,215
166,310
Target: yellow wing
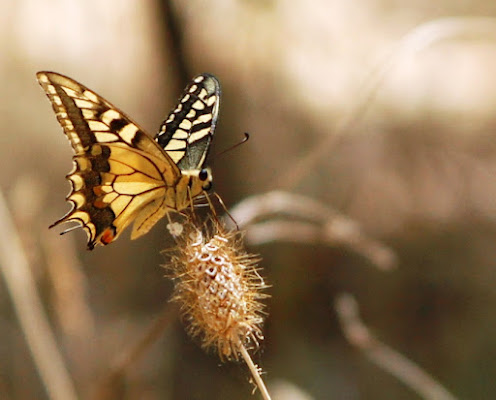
120,174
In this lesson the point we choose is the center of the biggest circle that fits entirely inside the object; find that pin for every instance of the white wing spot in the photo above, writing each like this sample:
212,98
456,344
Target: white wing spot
128,132
198,135
106,137
68,125
109,197
109,115
83,103
175,144
185,124
203,118
97,126
78,199
92,96
180,134
43,78
71,92
88,114
74,139
77,182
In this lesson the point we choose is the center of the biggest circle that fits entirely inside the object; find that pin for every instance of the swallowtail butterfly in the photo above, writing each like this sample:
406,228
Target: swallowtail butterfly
120,173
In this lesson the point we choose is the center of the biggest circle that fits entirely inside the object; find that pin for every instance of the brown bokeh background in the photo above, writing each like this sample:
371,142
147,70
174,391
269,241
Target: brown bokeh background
398,100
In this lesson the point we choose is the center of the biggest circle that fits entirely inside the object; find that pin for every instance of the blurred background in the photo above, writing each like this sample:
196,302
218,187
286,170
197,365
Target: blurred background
380,110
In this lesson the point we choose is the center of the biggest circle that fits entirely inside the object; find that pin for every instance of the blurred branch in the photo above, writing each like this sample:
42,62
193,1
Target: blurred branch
112,386
259,206
321,224
417,40
383,356
152,334
28,307
172,29
69,281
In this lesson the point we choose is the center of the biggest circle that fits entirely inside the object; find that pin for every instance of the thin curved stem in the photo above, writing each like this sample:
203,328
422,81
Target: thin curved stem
255,371
415,41
385,357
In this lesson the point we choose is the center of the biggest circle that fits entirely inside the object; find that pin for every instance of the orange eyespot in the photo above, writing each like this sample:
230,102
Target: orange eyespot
99,204
108,235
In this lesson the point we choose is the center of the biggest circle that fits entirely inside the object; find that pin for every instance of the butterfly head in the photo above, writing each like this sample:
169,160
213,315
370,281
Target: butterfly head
205,176
199,180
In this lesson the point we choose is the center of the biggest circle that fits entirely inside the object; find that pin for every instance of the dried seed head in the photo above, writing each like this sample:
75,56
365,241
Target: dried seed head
219,289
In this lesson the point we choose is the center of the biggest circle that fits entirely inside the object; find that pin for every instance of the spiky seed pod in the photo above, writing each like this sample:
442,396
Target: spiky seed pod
218,288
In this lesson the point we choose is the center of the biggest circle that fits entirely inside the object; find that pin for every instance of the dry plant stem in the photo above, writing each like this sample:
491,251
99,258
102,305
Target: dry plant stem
255,372
259,206
69,281
302,232
29,310
418,39
326,225
288,231
153,333
383,356
109,387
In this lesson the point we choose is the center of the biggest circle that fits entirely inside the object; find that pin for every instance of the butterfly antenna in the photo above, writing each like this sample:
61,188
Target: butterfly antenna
221,202
245,139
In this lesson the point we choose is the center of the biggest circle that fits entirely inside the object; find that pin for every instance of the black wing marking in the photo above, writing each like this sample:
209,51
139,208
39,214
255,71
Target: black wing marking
187,132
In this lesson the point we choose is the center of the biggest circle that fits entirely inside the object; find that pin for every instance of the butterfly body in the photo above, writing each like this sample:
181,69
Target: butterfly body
120,173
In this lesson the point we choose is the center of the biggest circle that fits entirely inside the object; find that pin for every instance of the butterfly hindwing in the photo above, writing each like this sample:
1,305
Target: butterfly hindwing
120,174
187,132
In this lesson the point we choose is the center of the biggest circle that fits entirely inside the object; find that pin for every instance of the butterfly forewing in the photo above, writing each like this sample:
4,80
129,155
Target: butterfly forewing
120,173
187,132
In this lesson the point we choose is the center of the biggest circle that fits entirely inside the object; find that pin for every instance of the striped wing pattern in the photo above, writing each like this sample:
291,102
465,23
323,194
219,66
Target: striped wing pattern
120,174
187,132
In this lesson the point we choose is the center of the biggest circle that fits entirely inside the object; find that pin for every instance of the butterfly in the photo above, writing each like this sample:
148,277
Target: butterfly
121,174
